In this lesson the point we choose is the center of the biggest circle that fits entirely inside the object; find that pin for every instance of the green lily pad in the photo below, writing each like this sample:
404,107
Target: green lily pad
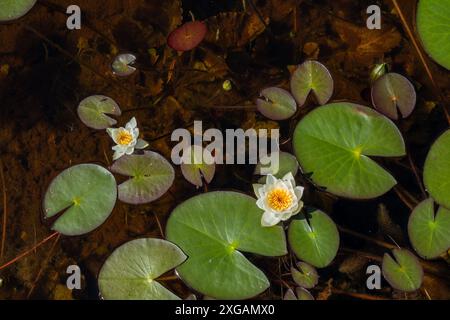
290,295
92,112
14,9
436,172
287,163
393,91
278,104
85,194
303,294
312,76
306,276
433,25
196,169
334,142
405,272
151,177
213,229
314,239
429,233
131,271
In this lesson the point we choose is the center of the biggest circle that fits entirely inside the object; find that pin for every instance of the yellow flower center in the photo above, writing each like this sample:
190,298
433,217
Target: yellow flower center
279,199
124,137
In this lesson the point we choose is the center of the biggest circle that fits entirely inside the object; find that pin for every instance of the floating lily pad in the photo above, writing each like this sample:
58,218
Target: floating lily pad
429,232
436,173
277,104
213,229
188,36
131,271
433,25
92,112
287,163
393,91
123,64
312,76
85,194
305,276
151,176
290,295
197,169
303,294
334,142
14,9
314,239
403,271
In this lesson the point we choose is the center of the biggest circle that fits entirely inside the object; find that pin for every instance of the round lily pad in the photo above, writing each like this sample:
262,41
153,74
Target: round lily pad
314,239
213,229
312,76
197,169
303,294
333,144
14,9
92,112
287,163
305,276
403,271
290,295
131,271
393,91
433,25
429,232
436,172
123,64
85,196
188,36
277,104
151,176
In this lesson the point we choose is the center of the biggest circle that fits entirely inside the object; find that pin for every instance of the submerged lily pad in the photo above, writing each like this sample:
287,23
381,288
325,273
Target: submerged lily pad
85,194
405,272
92,112
196,169
151,176
312,76
433,25
123,64
436,172
393,91
213,229
287,163
334,142
277,104
14,9
429,233
314,239
188,36
303,294
306,276
131,271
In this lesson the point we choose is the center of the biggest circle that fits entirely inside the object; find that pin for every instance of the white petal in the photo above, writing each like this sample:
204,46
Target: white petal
299,192
270,179
131,124
141,144
260,203
286,215
300,207
117,155
257,188
268,219
289,177
113,132
129,150
119,148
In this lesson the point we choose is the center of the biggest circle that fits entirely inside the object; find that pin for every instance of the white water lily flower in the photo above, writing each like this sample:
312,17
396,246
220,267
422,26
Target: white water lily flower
279,198
126,139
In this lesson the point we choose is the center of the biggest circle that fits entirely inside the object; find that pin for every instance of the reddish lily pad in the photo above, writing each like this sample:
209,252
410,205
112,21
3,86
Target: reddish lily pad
278,104
188,36
393,91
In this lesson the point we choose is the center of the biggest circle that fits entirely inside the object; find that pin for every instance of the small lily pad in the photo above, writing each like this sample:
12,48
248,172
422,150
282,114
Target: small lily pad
305,276
393,91
436,172
213,229
314,239
433,26
303,294
312,76
131,271
123,64
403,271
92,112
151,176
85,194
197,169
277,104
287,163
188,36
289,295
333,144
429,232
14,9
